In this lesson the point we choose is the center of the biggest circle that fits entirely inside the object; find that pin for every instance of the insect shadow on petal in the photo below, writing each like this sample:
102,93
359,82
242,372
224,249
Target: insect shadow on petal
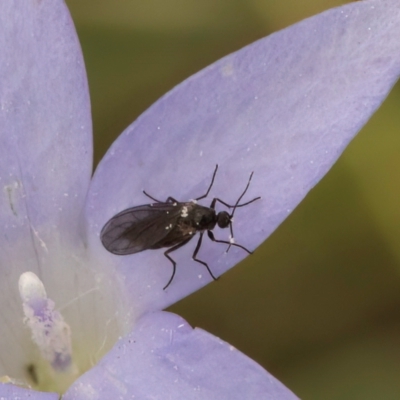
170,224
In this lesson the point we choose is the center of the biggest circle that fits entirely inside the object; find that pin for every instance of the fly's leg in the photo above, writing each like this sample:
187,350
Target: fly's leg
196,250
211,236
151,197
212,205
172,200
230,206
176,247
238,200
212,182
169,199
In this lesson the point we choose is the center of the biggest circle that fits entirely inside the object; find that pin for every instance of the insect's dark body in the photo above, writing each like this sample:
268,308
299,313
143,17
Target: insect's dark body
190,219
123,234
169,224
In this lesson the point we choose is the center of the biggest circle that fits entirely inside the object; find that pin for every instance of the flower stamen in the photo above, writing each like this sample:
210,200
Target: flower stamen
49,330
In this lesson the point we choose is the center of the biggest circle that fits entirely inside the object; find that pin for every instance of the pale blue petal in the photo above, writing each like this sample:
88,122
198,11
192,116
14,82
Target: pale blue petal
284,107
45,158
164,358
9,391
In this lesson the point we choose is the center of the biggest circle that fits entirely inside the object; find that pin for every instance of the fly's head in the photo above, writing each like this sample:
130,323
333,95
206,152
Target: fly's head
224,219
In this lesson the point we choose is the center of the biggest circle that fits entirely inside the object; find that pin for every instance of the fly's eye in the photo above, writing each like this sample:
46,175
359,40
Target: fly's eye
224,219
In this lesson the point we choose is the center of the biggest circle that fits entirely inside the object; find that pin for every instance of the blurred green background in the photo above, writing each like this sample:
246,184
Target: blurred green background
318,305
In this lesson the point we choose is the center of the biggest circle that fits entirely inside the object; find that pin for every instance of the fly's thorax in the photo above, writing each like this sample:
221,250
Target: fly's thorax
199,217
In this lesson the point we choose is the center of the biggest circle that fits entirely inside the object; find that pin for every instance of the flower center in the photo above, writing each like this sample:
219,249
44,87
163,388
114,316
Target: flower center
58,321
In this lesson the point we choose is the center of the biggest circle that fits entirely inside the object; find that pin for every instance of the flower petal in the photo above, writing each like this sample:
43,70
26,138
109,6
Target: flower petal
11,392
164,358
45,158
284,107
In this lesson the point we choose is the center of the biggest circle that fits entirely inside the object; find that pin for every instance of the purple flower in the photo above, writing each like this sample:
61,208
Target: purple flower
78,320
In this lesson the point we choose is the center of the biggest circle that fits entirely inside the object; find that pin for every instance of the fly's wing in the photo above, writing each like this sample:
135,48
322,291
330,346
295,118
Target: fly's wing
139,228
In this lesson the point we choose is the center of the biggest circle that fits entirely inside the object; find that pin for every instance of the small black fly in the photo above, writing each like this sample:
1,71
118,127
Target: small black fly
170,224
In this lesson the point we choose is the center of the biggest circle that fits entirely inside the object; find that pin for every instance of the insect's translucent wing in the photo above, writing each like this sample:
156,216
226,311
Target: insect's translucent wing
139,228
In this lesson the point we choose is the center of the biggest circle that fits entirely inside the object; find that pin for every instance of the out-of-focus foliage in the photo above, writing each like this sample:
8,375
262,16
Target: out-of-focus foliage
319,303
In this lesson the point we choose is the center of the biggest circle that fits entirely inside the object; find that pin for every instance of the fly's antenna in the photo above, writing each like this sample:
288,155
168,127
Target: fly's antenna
231,239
